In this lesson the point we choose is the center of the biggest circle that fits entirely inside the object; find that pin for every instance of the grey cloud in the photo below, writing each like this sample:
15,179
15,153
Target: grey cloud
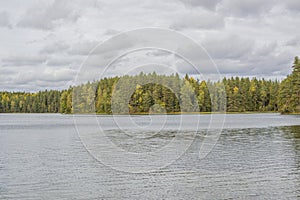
198,20
48,75
24,77
6,75
179,44
200,67
8,70
47,16
229,66
266,49
82,48
224,67
228,47
63,61
5,79
23,60
105,49
158,53
236,55
276,63
98,61
5,20
255,66
293,42
56,47
111,32
54,75
292,5
246,8
121,42
209,4
56,85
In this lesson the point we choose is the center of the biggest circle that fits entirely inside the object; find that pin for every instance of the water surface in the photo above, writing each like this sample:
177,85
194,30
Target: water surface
256,156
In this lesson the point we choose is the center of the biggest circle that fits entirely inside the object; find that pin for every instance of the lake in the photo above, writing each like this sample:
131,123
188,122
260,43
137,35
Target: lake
237,156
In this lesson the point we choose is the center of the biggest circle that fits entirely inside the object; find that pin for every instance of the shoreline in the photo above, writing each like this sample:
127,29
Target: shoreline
173,113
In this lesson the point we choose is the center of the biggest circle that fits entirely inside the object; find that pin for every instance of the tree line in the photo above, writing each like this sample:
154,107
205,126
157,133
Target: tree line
155,93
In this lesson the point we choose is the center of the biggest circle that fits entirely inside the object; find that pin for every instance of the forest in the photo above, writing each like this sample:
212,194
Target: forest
162,93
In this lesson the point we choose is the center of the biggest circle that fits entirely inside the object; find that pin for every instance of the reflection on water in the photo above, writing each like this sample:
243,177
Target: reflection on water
42,157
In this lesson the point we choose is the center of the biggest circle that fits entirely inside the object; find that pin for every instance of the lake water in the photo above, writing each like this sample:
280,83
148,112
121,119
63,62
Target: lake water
52,156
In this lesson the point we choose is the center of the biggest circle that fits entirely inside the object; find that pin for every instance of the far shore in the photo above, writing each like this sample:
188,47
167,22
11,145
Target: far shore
188,113
171,113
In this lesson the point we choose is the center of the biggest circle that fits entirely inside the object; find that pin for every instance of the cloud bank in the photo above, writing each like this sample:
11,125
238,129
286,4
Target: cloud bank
43,43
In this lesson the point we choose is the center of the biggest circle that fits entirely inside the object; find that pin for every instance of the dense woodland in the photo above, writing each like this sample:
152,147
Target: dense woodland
170,94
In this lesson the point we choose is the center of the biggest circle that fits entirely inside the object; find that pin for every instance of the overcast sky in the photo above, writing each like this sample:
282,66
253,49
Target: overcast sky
43,43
